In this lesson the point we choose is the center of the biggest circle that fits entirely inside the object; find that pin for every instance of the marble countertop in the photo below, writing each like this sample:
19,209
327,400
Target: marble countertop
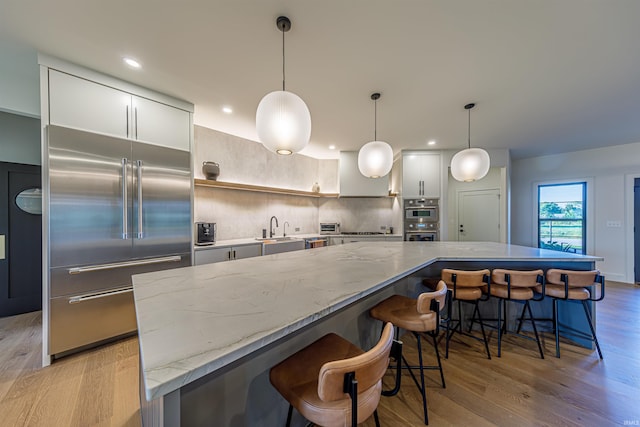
195,320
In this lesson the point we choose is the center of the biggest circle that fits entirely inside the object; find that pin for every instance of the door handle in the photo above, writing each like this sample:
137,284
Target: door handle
140,225
125,203
2,244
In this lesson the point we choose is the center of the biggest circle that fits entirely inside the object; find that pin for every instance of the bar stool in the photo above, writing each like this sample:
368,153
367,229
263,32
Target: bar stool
418,316
518,286
469,287
332,382
573,285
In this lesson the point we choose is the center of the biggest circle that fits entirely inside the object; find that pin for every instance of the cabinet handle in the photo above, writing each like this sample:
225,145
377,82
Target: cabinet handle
229,255
125,205
234,254
127,112
135,113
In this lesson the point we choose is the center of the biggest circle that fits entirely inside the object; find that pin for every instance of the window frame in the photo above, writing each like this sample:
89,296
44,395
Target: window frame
583,218
589,212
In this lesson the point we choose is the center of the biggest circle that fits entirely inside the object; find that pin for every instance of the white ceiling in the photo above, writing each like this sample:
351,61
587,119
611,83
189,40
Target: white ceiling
547,76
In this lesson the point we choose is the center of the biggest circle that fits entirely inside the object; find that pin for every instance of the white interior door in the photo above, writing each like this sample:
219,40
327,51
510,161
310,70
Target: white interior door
479,216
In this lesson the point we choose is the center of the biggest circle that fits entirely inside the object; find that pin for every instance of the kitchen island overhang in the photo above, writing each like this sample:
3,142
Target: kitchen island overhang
195,321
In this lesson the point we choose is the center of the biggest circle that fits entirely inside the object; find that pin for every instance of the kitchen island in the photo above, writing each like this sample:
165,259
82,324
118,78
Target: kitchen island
209,334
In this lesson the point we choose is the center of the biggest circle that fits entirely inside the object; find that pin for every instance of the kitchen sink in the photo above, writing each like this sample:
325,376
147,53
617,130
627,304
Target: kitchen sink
274,239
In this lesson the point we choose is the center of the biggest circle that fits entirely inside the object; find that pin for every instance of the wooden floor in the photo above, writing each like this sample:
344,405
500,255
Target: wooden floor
100,387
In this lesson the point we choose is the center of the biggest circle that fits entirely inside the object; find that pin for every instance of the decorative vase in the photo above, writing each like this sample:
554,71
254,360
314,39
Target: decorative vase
211,170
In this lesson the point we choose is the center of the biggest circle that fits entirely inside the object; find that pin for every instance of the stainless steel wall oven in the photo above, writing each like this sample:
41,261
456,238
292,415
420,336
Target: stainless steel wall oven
421,218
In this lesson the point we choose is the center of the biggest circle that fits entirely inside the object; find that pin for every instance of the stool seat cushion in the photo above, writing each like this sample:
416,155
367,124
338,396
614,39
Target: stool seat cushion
557,291
501,291
296,379
402,311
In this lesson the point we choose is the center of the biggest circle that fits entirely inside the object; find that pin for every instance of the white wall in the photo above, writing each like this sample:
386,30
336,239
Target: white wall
19,139
19,80
609,170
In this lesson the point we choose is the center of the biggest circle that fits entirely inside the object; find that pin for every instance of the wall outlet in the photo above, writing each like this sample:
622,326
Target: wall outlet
614,224
297,228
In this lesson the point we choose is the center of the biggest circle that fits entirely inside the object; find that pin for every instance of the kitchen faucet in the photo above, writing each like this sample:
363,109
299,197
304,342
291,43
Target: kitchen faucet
284,234
271,233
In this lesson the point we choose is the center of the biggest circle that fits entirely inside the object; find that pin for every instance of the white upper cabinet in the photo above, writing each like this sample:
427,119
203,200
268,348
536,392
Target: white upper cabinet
354,184
160,124
83,104
421,175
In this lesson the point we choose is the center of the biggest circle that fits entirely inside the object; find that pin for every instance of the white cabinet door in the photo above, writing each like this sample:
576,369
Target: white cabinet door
208,256
227,253
411,176
431,175
246,251
160,124
353,183
335,240
421,175
82,104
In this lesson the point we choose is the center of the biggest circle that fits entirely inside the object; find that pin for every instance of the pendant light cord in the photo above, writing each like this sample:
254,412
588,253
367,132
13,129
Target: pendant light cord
469,129
375,120
283,61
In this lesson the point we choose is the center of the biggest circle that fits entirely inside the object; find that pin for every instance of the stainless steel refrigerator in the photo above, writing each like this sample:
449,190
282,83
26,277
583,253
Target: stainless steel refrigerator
116,208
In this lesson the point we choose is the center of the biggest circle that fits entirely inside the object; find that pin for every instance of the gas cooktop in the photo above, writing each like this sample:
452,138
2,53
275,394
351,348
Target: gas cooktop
362,233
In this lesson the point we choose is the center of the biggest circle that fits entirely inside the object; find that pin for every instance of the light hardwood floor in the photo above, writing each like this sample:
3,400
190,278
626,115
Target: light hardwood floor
100,387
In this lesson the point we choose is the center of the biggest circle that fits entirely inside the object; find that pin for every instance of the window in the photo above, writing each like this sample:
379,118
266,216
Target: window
562,217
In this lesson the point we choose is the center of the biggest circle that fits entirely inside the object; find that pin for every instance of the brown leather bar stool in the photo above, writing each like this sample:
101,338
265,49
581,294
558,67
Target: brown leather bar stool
518,286
418,316
574,285
469,287
332,382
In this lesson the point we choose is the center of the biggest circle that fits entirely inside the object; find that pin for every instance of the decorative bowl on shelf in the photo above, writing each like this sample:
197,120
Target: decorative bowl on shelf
211,170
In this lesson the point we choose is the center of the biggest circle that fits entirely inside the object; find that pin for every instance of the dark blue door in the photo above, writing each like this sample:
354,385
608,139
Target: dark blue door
20,239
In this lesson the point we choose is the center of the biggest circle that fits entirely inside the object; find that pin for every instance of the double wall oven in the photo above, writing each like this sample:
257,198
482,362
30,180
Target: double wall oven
421,220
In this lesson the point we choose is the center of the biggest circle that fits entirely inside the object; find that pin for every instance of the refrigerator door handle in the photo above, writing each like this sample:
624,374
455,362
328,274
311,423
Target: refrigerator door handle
81,298
140,234
99,267
125,198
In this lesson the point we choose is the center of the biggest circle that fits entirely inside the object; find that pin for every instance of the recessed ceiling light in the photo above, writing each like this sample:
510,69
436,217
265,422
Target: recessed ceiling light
132,62
432,142
332,147
227,110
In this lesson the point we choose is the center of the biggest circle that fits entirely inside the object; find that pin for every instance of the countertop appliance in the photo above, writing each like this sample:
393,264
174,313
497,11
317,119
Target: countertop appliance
329,228
205,233
421,220
116,207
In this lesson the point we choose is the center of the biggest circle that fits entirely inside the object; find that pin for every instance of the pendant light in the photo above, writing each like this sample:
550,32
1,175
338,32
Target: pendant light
470,164
375,158
283,121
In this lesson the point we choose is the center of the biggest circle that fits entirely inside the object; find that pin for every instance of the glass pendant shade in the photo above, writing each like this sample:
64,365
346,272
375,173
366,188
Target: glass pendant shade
375,159
283,122
470,164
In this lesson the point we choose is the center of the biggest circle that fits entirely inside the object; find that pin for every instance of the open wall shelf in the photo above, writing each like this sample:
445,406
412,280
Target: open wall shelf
260,188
